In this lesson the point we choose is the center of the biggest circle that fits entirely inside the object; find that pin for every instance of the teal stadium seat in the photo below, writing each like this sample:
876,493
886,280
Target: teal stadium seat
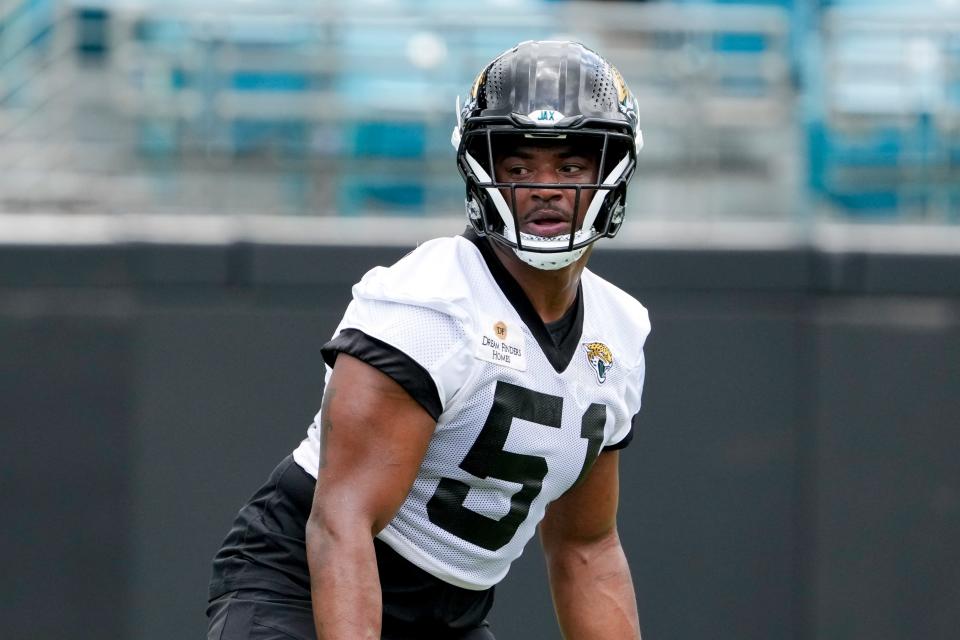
883,136
399,115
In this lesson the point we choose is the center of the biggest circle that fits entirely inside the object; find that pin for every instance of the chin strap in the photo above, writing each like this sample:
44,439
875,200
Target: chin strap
546,261
549,261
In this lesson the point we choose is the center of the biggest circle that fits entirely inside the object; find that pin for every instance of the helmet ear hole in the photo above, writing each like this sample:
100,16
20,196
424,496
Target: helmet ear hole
474,215
611,212
617,212
479,204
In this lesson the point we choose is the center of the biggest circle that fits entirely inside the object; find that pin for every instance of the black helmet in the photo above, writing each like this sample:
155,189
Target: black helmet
548,90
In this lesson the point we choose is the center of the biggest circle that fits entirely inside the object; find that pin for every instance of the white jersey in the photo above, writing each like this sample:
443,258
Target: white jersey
519,418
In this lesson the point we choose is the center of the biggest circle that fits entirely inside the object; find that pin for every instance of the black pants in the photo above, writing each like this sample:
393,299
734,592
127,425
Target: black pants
260,587
262,615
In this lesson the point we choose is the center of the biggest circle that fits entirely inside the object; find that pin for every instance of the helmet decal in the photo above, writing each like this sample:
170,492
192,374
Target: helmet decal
476,84
545,117
622,91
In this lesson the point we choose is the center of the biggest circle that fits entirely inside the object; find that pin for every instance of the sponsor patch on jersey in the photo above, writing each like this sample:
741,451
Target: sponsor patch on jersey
501,343
600,358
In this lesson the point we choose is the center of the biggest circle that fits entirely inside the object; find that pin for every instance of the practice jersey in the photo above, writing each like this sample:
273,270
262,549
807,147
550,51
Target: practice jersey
520,418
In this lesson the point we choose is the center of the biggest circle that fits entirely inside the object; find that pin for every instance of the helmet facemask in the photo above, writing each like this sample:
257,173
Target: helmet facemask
539,94
598,205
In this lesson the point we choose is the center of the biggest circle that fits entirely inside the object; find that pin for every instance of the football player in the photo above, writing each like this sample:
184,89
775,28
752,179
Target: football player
480,387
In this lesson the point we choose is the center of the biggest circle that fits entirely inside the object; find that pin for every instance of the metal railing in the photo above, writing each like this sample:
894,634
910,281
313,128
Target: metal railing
885,140
347,107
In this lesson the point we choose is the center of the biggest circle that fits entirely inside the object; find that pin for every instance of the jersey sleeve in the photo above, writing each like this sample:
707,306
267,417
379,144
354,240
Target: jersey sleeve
623,435
421,348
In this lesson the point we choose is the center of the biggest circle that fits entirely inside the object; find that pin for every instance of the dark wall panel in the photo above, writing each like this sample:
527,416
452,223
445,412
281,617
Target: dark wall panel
709,488
888,470
66,399
699,270
223,395
794,475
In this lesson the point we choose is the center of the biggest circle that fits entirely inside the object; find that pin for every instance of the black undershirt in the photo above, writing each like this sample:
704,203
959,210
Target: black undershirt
560,329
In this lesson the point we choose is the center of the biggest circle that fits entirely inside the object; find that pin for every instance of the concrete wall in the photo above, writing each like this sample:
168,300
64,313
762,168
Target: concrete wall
795,475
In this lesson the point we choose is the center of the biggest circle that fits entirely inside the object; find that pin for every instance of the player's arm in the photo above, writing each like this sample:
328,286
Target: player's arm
373,438
589,577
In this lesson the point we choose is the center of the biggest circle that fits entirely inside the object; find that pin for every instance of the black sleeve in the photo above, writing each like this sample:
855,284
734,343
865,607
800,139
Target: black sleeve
626,439
403,369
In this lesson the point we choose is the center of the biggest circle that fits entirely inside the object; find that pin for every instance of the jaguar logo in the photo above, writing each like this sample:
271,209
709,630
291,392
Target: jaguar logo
600,358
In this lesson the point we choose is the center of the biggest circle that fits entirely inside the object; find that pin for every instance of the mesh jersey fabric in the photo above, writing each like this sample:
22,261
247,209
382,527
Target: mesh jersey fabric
516,429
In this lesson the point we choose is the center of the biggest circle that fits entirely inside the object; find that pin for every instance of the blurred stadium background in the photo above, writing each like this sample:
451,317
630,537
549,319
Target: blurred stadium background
188,189
763,110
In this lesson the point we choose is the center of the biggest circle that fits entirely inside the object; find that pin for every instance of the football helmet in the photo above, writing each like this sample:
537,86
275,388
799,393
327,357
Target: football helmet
552,92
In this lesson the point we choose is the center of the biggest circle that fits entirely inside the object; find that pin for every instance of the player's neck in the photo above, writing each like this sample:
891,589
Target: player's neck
551,293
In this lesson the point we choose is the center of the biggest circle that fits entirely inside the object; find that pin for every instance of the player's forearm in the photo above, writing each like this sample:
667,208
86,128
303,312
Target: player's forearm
344,583
593,591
